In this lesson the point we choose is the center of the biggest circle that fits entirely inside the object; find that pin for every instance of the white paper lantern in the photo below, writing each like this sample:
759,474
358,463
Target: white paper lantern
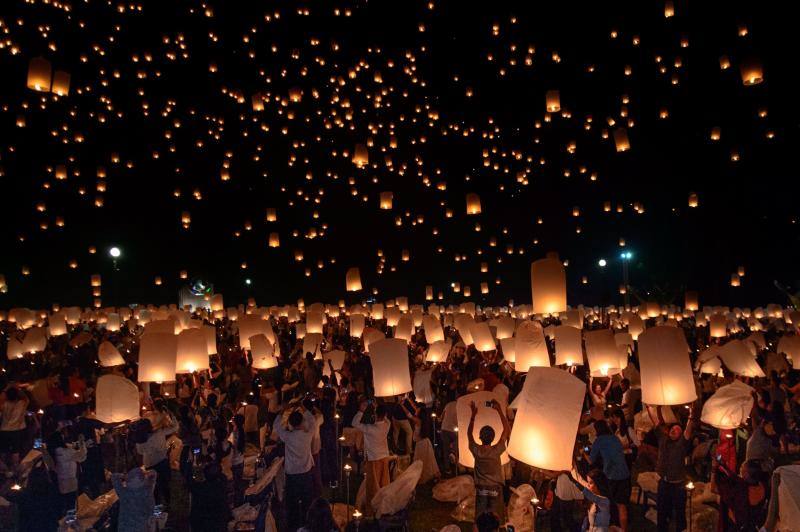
116,399
251,325
158,354
312,343
788,345
485,416
463,323
405,328
547,419
35,340
729,407
210,333
422,386
390,373
57,324
438,351
482,336
192,351
601,352
509,346
548,286
718,326
665,368
336,358
353,280
569,345
433,329
530,347
370,336
357,324
262,351
739,360
109,355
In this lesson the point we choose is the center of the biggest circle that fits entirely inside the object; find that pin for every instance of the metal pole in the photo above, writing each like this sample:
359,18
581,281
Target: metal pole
625,280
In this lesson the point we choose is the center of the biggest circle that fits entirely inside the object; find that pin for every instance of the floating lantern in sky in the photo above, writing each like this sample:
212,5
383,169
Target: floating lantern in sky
353,280
473,203
192,351
547,419
386,200
569,345
665,367
752,72
548,286
621,141
552,101
60,83
729,407
262,351
361,156
482,336
691,301
109,355
530,347
601,352
39,74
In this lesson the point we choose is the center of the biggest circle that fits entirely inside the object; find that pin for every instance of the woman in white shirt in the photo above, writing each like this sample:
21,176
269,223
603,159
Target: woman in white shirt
12,426
66,458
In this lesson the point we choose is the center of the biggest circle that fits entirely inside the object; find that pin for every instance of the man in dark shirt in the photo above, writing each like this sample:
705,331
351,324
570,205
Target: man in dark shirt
673,446
489,479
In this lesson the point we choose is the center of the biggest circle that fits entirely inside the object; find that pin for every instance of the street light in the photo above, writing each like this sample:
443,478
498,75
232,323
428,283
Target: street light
625,256
115,253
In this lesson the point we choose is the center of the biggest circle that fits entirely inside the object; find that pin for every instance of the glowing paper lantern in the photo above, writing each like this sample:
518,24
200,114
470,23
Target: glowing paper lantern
61,83
336,358
621,141
438,351
433,329
548,286
360,156
569,345
386,200
691,301
462,324
217,303
505,327
356,325
547,419
601,352
158,354
665,367
509,346
312,343
485,416
263,352
353,280
109,355
422,386
314,321
57,324
739,360
552,101
39,74
390,367
35,340
752,72
370,336
482,336
116,399
274,240
530,347
473,203
192,351
718,326
729,407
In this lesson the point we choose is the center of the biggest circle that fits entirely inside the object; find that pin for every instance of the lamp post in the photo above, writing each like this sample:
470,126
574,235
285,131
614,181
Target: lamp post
689,490
625,256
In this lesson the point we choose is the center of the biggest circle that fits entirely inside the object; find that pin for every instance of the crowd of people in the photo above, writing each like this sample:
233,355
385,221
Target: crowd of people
194,437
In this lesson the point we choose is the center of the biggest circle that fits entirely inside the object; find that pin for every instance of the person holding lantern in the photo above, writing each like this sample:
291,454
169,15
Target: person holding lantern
489,477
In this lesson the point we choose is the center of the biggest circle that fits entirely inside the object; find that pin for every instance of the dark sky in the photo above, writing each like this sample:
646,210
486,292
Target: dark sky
129,99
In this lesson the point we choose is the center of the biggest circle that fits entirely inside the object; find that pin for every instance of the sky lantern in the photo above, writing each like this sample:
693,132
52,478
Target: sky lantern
438,351
693,200
39,74
60,83
482,336
718,324
752,72
691,301
738,358
669,9
428,293
548,286
192,351
386,200
353,280
361,156
217,303
473,203
57,324
485,416
530,347
735,280
109,355
357,324
262,352
433,329
405,328
390,373
621,141
505,327
274,240
652,309
665,368
729,407
312,343
601,352
547,418
158,354
116,399
569,345
552,101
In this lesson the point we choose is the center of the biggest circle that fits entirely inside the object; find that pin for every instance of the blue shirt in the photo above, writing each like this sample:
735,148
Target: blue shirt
609,448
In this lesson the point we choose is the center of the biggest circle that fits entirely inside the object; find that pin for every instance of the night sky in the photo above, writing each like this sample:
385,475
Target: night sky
448,97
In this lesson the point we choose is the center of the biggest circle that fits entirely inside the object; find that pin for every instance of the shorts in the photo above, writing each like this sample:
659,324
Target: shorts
11,441
620,490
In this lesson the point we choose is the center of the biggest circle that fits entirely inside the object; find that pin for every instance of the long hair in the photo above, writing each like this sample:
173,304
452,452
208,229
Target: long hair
320,517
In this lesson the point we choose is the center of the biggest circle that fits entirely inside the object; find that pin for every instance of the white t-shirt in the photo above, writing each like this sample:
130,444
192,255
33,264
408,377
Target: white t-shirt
14,415
376,446
297,459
